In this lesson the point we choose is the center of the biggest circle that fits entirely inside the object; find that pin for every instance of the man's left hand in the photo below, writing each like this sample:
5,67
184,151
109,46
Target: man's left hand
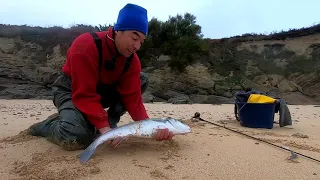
163,134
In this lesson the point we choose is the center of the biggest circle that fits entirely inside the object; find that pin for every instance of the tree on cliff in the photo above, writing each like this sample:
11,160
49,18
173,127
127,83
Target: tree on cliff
179,37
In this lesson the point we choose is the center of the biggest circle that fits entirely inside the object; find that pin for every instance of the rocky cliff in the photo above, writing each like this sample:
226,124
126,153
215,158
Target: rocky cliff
288,67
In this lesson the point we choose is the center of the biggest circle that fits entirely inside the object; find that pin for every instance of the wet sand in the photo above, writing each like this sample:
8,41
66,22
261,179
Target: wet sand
209,152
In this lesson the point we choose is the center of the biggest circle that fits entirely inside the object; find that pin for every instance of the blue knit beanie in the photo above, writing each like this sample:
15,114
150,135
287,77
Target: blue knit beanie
132,17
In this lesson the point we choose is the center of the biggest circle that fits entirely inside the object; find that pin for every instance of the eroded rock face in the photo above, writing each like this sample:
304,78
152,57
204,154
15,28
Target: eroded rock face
24,70
185,87
27,71
20,89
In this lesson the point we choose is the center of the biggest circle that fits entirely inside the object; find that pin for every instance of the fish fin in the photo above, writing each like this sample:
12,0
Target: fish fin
87,153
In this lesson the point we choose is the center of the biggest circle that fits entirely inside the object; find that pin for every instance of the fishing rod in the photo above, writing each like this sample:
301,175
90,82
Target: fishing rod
294,153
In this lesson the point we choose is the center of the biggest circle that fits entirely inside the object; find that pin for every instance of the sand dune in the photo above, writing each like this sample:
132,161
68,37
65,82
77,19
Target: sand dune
209,152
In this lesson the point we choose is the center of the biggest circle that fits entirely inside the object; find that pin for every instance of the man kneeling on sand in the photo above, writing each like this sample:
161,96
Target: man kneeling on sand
98,76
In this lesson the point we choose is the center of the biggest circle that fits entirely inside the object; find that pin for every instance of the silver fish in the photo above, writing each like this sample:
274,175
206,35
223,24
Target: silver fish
146,128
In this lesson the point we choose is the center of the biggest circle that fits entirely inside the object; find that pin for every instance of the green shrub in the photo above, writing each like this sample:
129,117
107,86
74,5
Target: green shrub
179,37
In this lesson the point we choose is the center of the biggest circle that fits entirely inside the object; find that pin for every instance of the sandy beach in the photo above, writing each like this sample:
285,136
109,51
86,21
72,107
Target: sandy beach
209,152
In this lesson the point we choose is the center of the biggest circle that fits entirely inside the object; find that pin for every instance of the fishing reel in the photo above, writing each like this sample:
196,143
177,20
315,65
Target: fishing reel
196,115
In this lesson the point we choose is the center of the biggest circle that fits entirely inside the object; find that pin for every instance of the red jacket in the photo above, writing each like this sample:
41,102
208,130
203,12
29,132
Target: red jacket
82,66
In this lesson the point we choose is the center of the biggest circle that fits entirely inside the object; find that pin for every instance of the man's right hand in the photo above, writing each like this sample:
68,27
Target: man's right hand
115,142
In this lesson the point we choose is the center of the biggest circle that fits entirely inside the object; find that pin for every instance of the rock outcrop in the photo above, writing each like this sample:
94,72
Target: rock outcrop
287,68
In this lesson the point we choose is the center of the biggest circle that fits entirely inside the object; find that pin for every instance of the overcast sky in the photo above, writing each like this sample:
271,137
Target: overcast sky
218,18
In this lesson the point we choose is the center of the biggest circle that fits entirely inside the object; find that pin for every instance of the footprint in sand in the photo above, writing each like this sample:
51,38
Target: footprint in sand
293,144
158,174
299,135
169,167
135,162
43,165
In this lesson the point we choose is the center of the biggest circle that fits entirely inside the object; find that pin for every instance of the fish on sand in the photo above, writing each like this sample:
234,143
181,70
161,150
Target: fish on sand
146,128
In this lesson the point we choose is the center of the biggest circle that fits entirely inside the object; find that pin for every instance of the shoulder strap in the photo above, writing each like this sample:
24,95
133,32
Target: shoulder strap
98,43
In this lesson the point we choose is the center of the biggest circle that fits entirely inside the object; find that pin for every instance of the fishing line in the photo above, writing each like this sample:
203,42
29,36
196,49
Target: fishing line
197,116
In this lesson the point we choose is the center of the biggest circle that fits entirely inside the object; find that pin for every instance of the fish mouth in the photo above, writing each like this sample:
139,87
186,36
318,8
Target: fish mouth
185,129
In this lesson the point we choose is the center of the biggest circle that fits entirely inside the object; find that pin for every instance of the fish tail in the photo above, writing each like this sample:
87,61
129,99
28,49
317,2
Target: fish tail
87,153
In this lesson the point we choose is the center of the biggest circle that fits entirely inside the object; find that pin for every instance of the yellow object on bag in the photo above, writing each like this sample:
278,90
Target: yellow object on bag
259,98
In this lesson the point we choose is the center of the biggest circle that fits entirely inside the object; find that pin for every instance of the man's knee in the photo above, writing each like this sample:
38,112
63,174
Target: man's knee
144,82
70,135
73,131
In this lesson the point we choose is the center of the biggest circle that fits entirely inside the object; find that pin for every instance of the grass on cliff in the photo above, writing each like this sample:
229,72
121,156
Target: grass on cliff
281,35
180,37
46,37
